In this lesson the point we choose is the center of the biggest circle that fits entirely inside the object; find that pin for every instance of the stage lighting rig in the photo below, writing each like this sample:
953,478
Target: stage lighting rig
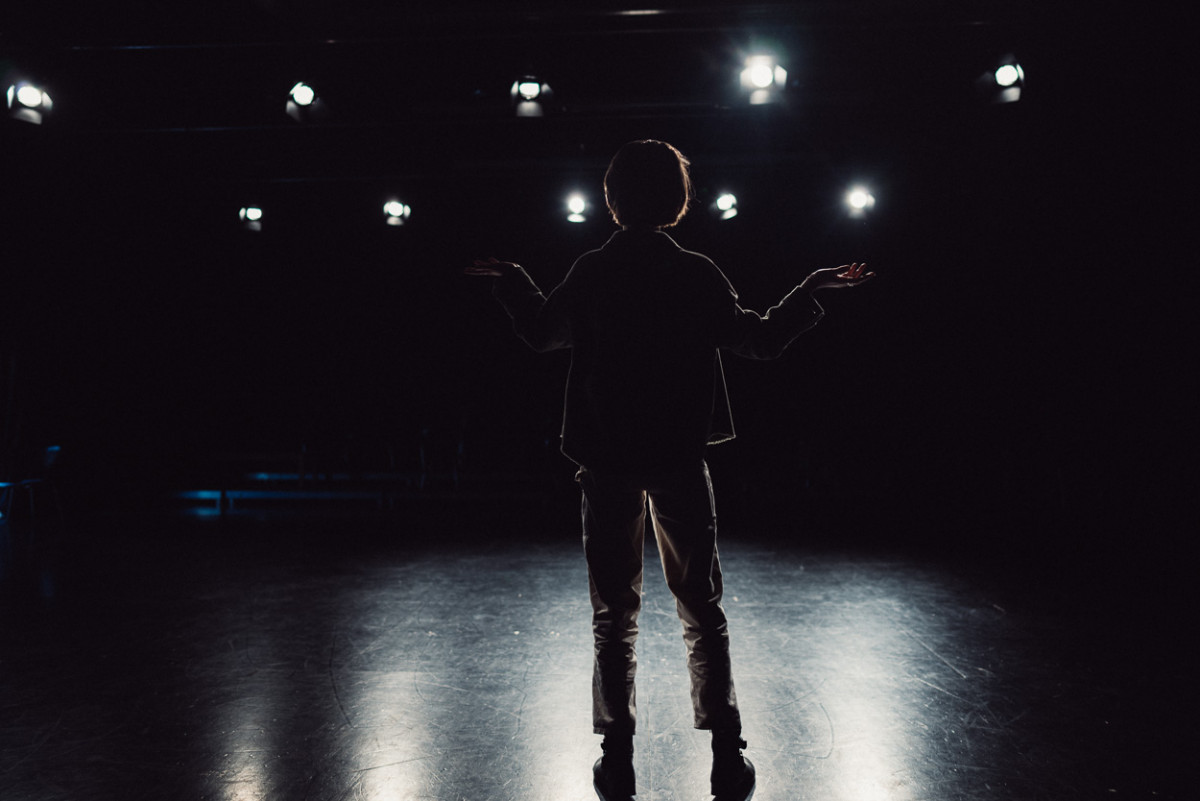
859,201
304,104
725,206
528,94
251,217
28,102
396,213
1004,83
577,207
763,78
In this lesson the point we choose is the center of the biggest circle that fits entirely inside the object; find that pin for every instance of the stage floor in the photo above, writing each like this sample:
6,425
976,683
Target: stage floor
343,660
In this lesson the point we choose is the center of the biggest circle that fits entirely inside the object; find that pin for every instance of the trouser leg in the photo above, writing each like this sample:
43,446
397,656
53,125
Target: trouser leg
614,514
685,525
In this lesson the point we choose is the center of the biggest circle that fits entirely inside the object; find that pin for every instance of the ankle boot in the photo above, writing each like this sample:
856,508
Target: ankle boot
732,774
613,772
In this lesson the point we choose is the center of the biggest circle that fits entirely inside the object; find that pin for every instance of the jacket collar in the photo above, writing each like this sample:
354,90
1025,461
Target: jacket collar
629,236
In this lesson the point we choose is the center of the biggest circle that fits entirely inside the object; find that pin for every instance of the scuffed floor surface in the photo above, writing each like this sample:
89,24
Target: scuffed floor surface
252,665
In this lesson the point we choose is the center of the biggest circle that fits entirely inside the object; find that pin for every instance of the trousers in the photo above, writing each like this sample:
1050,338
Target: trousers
683,518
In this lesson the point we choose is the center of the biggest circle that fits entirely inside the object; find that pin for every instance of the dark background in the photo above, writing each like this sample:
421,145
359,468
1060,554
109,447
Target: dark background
1017,379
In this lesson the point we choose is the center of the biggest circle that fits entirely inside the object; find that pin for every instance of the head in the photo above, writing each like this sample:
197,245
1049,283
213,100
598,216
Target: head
647,185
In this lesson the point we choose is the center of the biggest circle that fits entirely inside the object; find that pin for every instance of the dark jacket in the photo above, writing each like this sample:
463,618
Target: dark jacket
645,320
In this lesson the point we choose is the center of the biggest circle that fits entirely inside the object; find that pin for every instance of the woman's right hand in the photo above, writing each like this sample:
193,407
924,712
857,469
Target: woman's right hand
837,277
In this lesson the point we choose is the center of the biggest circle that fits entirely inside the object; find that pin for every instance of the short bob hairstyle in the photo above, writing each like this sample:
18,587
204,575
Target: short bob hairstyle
647,185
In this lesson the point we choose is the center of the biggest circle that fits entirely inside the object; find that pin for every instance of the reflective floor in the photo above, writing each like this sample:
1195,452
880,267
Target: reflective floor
328,661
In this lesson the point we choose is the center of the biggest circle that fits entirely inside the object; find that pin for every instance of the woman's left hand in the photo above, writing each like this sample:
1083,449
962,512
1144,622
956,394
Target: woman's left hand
491,267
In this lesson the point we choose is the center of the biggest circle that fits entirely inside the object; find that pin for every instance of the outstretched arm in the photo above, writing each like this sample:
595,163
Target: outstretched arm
537,319
492,267
767,337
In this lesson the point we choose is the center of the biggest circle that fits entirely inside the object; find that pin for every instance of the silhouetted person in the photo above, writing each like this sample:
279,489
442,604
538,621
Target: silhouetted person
646,321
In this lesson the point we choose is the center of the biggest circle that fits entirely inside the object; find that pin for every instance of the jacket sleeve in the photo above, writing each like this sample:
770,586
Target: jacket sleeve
541,322
766,336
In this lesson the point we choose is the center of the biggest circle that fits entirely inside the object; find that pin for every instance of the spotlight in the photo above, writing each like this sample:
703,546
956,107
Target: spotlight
527,95
303,94
251,217
859,200
304,104
529,90
396,213
576,207
763,78
725,206
1008,74
28,102
1003,84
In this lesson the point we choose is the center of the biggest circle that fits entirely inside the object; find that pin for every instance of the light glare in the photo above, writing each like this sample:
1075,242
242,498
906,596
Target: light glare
27,102
761,75
762,72
528,94
859,200
1003,84
576,206
303,94
29,96
725,206
1007,75
250,213
397,213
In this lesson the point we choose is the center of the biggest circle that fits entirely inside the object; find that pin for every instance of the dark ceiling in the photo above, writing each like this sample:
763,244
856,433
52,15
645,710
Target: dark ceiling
133,280
191,97
402,82
131,23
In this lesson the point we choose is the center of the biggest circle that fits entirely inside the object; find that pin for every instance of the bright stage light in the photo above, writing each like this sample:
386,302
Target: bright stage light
527,95
29,96
763,77
859,200
251,217
725,206
1008,74
1003,84
576,208
304,104
529,90
28,102
760,75
396,213
303,94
